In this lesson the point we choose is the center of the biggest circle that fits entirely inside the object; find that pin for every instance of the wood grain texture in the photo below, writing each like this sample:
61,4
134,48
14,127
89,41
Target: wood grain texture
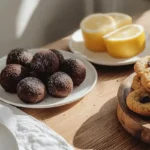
92,122
135,124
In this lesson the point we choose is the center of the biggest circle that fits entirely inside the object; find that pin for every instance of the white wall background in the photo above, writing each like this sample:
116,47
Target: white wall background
34,23
131,7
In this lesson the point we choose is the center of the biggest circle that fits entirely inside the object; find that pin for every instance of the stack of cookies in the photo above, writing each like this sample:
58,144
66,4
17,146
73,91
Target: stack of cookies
139,99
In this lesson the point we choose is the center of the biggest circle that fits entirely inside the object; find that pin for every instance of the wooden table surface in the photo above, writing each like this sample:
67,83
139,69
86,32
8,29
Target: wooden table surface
91,123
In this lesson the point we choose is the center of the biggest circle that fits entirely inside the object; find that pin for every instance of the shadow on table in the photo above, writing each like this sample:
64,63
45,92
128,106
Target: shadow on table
102,131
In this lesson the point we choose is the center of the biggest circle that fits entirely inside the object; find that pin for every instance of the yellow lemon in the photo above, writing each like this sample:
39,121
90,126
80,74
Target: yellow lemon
94,27
125,42
120,19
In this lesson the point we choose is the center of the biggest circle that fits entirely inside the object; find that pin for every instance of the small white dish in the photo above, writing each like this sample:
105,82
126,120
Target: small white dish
76,45
7,139
8,118
77,93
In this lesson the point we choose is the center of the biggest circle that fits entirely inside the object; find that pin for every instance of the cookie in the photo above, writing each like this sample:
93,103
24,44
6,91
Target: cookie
139,102
141,65
136,84
145,79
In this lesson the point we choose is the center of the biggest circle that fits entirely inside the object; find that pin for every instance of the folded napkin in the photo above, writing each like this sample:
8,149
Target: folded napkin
30,133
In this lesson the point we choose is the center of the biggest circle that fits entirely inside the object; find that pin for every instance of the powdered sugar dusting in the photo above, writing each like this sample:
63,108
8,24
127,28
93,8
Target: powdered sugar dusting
31,90
19,56
75,69
11,75
45,61
60,84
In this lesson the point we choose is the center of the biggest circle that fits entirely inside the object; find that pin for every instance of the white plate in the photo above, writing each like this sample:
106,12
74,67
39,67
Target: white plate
77,93
76,45
7,139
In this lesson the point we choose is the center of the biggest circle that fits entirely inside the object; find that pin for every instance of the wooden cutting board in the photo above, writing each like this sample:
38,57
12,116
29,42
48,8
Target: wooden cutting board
136,125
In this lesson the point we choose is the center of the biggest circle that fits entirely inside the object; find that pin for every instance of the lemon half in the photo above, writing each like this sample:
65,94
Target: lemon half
94,27
125,42
120,19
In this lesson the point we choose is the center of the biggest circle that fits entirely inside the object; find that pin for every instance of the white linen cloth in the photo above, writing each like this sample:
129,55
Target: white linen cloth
30,133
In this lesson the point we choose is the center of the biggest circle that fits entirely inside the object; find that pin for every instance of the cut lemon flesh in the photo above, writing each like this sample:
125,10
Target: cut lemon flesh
125,42
94,27
120,19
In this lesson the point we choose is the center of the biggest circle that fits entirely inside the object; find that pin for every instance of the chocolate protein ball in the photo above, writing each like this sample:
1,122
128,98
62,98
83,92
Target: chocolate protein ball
31,90
11,75
32,73
75,69
45,62
59,84
59,55
19,56
43,77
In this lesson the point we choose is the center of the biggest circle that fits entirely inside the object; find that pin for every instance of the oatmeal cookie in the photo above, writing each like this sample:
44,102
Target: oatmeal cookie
139,102
136,84
145,79
141,65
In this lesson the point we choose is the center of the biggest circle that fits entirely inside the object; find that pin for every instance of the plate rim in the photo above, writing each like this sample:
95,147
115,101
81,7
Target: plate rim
72,49
61,104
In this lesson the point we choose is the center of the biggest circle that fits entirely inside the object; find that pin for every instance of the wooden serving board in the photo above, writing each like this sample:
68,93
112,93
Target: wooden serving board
136,125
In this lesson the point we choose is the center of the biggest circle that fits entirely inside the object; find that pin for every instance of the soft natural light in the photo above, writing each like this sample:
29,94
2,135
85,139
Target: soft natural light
26,10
